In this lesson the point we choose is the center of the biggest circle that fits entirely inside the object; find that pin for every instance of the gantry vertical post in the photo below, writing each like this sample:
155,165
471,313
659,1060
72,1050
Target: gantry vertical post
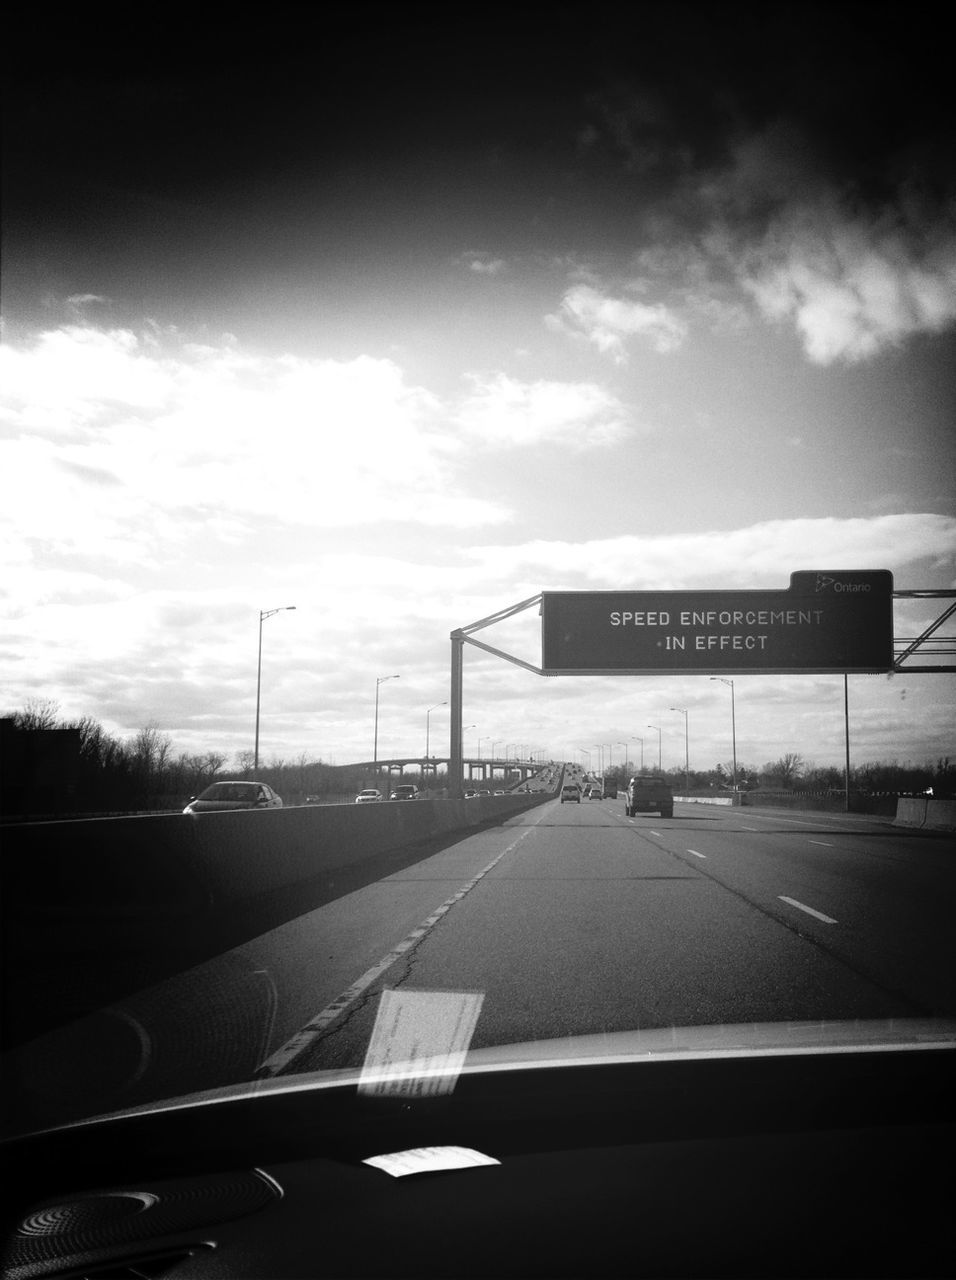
455,765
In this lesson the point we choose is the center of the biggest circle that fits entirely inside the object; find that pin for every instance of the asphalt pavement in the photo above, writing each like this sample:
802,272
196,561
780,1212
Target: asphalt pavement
566,920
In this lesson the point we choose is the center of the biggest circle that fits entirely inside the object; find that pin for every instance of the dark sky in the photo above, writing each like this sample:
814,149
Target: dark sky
180,104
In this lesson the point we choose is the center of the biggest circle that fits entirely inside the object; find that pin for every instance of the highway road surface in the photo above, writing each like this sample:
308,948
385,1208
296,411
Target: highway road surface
568,920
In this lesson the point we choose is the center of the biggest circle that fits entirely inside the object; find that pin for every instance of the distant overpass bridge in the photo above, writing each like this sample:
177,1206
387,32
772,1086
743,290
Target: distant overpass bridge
474,767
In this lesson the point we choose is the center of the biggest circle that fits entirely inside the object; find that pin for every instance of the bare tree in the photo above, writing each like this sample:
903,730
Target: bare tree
39,713
785,771
151,749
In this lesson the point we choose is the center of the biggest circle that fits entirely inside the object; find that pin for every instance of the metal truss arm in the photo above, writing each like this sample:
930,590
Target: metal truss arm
935,646
500,653
459,638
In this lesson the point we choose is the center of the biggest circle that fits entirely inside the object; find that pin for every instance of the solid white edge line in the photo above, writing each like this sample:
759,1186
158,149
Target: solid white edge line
809,910
304,1037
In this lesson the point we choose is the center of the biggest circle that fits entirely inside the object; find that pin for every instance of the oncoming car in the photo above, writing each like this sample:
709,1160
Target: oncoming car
234,795
405,791
369,796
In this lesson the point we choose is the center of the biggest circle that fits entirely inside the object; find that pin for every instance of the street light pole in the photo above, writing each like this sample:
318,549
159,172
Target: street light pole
380,680
263,614
427,715
733,726
682,712
660,757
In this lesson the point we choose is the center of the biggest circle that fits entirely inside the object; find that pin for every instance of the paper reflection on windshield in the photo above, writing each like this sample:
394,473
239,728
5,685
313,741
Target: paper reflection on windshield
419,1042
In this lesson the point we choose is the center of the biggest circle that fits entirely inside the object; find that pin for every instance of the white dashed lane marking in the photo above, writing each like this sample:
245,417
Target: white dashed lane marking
801,906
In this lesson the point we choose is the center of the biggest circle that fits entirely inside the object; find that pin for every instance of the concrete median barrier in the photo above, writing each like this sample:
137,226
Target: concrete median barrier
925,813
132,900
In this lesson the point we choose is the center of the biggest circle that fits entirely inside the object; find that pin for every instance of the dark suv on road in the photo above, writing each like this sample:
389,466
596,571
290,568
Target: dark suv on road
648,793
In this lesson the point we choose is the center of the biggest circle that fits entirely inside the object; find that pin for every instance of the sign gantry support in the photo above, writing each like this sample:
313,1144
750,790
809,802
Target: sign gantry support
935,646
459,639
828,622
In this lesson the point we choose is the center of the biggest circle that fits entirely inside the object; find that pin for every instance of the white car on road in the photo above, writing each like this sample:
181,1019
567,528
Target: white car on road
368,796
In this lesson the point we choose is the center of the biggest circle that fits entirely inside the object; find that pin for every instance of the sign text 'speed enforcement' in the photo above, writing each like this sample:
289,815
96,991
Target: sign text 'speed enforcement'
828,621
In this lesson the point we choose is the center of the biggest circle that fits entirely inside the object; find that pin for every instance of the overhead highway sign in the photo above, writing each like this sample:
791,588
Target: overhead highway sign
828,621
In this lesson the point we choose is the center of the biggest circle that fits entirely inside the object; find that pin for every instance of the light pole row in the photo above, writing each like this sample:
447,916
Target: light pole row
733,726
263,614
380,680
268,613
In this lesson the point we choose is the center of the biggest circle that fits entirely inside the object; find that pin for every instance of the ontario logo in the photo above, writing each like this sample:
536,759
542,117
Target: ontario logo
825,582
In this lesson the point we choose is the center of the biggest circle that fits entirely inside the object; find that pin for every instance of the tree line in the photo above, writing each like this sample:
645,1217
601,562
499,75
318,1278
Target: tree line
55,765
791,772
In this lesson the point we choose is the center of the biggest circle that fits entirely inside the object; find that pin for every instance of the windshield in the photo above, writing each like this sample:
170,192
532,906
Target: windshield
331,390
231,791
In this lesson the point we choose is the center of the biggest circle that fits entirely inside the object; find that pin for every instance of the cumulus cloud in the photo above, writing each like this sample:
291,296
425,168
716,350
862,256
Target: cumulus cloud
484,264
609,322
80,300
503,412
848,239
855,274
852,287
761,555
169,430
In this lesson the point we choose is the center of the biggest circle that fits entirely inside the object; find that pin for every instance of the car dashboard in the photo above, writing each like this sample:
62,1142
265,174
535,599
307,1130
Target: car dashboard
789,1164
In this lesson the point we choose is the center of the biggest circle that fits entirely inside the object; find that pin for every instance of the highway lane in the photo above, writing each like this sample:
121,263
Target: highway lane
876,896
569,920
599,923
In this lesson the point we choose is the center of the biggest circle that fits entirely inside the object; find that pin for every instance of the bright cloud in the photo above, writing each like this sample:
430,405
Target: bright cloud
851,289
163,431
505,412
761,555
609,322
854,278
483,264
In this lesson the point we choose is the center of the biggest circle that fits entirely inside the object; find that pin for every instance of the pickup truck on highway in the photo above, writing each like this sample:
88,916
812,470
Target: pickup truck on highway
648,793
